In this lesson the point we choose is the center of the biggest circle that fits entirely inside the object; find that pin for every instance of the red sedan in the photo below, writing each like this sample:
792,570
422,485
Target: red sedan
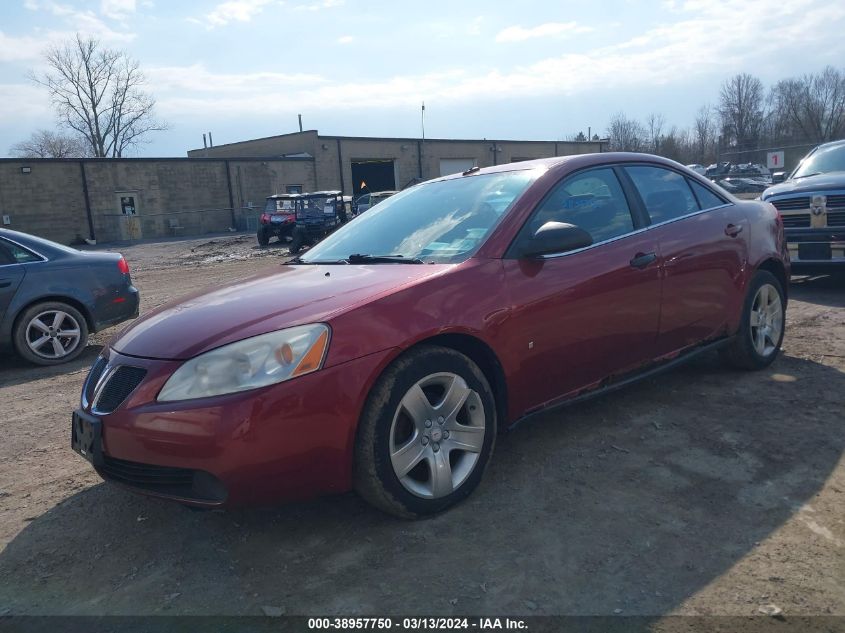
387,357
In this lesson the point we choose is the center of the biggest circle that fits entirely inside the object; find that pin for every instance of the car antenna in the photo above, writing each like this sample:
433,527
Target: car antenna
471,170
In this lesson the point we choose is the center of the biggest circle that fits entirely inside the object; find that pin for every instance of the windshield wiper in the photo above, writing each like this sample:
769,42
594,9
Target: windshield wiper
299,260
358,258
815,173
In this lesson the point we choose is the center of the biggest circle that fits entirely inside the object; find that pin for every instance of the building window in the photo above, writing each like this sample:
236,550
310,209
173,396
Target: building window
293,189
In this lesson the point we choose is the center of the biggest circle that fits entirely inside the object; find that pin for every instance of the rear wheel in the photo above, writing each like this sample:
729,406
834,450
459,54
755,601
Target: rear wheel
297,241
50,333
426,433
761,329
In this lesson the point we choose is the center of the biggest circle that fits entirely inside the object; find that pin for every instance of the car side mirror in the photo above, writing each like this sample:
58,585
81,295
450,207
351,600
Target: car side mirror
777,177
556,237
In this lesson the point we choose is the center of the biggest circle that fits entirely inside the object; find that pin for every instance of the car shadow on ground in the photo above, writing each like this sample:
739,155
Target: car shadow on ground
826,290
16,371
631,504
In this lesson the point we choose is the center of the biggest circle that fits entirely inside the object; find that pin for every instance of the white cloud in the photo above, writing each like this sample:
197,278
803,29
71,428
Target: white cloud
345,39
13,49
549,29
117,9
85,22
235,11
711,39
474,27
319,5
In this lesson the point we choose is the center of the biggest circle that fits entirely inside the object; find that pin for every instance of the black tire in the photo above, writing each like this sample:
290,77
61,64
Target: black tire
263,236
297,242
374,476
742,352
22,331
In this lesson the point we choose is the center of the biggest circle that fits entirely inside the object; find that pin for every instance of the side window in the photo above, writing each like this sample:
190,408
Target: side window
592,200
5,255
665,193
19,255
706,198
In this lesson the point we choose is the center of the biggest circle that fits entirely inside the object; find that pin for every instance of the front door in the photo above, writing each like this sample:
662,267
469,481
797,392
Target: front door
583,316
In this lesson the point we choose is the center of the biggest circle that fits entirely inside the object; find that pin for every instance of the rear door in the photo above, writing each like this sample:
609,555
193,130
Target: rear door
11,275
582,316
703,243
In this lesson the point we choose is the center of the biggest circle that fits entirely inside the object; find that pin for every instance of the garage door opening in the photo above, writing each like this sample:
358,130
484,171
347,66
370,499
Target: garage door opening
372,175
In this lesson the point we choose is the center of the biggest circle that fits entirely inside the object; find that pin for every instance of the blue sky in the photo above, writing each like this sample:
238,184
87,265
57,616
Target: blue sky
525,70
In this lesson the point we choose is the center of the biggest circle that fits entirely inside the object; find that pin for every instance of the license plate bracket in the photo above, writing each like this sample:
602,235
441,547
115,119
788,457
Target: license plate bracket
814,250
86,437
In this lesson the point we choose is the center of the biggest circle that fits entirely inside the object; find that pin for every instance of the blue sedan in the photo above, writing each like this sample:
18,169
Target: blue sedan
53,296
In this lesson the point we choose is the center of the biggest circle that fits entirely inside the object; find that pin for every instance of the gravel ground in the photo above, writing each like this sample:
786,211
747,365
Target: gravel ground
703,491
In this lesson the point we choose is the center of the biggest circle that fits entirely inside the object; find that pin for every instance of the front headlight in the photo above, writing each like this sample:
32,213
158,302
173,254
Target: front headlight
254,362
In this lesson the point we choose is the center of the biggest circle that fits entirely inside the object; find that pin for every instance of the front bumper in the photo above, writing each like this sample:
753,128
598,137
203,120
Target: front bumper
287,441
812,249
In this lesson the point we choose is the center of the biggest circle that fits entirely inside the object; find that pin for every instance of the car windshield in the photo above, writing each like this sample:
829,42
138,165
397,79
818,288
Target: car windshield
443,221
279,204
822,161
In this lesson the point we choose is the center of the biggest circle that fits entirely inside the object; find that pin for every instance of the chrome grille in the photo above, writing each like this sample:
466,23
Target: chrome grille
93,377
836,218
792,204
836,202
117,387
796,220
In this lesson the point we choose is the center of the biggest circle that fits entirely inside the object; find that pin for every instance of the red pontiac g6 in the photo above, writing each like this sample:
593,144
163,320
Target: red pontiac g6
387,357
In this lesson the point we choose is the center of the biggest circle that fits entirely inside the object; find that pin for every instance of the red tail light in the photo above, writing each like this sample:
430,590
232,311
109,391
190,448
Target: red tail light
265,219
122,266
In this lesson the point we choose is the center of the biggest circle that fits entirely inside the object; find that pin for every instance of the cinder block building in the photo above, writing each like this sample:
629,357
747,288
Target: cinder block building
345,162
216,188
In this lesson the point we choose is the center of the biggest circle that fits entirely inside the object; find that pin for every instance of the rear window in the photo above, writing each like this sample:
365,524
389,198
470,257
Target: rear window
706,198
665,193
18,254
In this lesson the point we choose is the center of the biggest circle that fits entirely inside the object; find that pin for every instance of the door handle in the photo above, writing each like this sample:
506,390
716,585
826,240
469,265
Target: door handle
732,230
641,260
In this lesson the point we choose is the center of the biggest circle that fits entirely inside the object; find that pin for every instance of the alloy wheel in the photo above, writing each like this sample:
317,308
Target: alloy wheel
53,334
437,435
766,320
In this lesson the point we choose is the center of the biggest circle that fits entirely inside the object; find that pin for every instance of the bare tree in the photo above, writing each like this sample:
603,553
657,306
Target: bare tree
741,109
810,108
654,124
49,144
704,135
626,135
98,92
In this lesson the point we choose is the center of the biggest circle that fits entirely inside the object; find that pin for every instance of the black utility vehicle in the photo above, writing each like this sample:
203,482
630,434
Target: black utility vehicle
317,214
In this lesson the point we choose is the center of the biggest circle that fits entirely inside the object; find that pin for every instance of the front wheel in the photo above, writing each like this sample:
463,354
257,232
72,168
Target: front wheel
50,333
426,433
263,236
761,329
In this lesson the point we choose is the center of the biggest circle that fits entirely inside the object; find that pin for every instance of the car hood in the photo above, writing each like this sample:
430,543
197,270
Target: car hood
280,298
832,180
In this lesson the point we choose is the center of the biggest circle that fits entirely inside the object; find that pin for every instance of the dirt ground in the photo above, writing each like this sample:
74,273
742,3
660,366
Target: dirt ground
703,491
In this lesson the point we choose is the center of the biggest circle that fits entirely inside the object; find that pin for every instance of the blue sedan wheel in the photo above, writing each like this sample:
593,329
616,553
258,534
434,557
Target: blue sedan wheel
50,333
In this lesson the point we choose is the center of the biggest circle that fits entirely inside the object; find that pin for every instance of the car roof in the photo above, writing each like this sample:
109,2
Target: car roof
568,163
37,244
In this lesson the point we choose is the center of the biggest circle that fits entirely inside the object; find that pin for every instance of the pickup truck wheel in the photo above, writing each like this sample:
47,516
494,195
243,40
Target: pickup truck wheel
426,433
50,333
263,236
761,329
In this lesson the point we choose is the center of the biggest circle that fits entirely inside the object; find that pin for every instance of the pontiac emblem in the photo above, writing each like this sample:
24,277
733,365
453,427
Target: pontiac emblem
818,205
